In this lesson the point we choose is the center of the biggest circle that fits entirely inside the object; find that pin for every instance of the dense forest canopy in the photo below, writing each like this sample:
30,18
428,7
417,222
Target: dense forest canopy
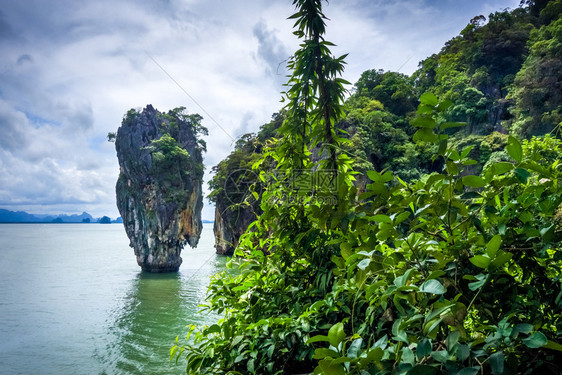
439,252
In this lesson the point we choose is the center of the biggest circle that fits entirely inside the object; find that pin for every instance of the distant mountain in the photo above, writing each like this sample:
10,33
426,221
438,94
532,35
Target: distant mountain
207,221
7,216
17,217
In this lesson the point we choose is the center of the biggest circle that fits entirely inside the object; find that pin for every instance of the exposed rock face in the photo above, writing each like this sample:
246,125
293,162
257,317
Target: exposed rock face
230,224
159,193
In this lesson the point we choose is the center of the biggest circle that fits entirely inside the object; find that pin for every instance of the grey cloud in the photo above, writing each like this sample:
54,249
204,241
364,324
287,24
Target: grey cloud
271,50
76,115
12,127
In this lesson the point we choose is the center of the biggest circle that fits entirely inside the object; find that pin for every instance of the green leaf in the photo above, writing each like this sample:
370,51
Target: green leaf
236,341
440,356
523,328
453,339
250,365
422,370
354,348
423,349
502,167
481,261
330,368
521,174
502,259
408,356
469,371
364,264
514,149
322,353
429,98
425,135
478,284
553,345
536,340
432,287
473,181
423,122
382,219
316,338
336,335
493,245
496,363
463,351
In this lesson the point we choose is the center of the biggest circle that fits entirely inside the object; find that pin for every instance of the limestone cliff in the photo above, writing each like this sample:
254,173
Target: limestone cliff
159,194
230,223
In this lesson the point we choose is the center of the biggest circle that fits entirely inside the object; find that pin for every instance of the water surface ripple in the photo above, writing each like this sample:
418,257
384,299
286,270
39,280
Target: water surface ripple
73,301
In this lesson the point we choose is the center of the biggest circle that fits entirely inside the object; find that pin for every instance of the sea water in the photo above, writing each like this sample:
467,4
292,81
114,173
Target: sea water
74,301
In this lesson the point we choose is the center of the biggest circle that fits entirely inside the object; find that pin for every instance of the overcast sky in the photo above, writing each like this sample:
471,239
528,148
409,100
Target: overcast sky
69,70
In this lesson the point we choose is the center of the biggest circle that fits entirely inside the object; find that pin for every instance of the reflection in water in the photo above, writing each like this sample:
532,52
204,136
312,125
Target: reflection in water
145,323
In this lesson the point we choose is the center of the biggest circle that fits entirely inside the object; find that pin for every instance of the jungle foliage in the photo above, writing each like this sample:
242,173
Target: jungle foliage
446,261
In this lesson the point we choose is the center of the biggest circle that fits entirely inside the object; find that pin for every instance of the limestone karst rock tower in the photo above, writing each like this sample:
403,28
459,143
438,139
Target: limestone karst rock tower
159,192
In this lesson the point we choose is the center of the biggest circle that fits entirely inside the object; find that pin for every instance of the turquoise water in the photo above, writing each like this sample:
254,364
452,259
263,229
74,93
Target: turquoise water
73,301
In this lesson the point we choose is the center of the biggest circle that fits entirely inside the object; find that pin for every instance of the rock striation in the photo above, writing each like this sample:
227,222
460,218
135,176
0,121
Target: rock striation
159,189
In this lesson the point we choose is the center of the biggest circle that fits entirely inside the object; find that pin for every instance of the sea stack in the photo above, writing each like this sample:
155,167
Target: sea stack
159,190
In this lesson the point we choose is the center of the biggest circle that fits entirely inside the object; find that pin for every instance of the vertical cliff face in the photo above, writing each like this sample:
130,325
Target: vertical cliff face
231,223
159,194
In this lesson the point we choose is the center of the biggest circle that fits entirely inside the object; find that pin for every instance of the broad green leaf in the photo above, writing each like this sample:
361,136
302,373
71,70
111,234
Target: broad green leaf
422,370
463,351
493,245
432,287
322,353
440,356
408,356
429,98
250,365
345,248
481,261
523,328
497,362
330,368
382,219
521,174
453,339
553,345
514,149
423,122
354,348
502,259
336,335
316,338
536,340
473,181
502,167
236,341
425,135
423,349
478,284
364,264
469,371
